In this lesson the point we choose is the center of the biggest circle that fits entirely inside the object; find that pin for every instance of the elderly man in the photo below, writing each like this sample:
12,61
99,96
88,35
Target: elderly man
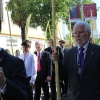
82,65
44,71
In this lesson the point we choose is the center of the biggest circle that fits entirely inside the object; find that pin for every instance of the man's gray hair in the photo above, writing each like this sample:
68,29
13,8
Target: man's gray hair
86,25
51,39
40,42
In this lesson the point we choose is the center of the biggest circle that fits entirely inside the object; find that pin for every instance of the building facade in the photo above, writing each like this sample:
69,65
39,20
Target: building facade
34,34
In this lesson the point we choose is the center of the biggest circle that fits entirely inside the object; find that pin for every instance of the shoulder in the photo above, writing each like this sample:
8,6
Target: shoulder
35,52
58,47
33,55
95,46
47,48
45,52
69,51
13,59
21,55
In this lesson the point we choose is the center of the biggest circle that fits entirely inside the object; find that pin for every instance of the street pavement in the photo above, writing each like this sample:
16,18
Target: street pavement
69,96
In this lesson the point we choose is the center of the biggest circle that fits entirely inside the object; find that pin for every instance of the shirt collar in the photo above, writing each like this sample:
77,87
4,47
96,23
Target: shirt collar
27,53
39,52
85,46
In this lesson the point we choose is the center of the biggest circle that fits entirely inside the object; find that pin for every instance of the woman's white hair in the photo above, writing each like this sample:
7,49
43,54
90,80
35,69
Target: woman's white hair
86,25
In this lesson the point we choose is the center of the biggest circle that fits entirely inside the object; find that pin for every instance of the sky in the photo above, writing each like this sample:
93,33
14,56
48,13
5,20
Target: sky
98,15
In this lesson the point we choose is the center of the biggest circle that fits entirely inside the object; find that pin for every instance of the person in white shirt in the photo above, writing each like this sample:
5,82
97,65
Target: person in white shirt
30,61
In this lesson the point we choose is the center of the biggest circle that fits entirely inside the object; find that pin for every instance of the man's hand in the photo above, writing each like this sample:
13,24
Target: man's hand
48,78
2,78
31,84
54,56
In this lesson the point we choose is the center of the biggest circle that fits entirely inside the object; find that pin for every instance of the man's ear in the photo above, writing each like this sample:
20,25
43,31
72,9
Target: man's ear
89,34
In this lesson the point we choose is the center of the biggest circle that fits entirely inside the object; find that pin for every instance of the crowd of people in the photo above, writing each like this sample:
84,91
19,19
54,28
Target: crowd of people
79,69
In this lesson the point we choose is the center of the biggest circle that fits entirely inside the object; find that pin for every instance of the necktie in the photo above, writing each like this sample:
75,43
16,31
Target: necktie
39,67
80,61
52,49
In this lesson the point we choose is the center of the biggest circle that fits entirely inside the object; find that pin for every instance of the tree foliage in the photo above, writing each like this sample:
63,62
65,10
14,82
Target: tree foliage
41,11
19,13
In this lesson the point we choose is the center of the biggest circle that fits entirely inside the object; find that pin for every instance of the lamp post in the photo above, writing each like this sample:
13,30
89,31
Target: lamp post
9,30
81,4
0,14
56,63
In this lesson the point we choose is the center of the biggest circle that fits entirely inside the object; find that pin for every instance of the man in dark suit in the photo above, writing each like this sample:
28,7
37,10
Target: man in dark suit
14,84
82,64
44,72
62,45
60,53
64,82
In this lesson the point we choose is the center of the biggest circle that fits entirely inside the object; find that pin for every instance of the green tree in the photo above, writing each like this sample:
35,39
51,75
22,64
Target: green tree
41,11
19,13
97,41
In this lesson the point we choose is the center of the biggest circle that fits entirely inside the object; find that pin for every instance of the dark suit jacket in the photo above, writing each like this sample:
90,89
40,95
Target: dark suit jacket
89,86
59,50
46,65
17,87
60,53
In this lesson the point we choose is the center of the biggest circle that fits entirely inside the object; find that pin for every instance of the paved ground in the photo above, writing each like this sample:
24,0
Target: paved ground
69,97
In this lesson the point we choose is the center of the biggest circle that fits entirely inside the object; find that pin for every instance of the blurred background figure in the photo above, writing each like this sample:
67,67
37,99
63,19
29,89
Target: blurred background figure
73,45
30,61
64,83
91,40
50,49
62,45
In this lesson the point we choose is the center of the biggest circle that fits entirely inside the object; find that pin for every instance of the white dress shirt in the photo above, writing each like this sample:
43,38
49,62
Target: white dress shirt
38,54
85,49
30,61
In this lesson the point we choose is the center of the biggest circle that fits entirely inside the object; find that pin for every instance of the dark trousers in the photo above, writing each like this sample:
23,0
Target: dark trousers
62,87
53,87
31,87
38,84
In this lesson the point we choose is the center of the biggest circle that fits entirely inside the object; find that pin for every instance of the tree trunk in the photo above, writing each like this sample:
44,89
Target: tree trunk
23,32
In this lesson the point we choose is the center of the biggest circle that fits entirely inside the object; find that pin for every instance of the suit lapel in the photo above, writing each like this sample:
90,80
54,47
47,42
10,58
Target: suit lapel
74,62
35,53
89,56
50,50
41,55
